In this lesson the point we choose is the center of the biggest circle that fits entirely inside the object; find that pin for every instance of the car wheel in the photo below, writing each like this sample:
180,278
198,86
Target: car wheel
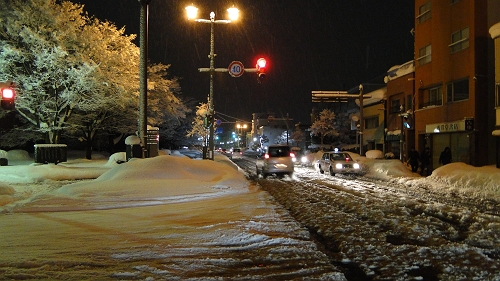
320,170
331,172
264,175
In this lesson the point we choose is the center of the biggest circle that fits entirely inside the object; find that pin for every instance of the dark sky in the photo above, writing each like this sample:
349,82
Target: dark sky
309,44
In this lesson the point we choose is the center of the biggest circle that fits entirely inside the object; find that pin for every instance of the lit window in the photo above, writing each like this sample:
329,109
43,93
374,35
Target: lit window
459,40
457,91
424,55
424,12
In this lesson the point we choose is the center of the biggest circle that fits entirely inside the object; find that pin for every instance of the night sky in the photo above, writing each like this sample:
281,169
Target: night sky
309,45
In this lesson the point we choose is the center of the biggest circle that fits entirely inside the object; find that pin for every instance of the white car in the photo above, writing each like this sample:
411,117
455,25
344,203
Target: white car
336,162
236,153
278,160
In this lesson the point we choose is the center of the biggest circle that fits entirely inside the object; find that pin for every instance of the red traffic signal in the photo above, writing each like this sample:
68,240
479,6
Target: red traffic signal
261,64
261,68
8,96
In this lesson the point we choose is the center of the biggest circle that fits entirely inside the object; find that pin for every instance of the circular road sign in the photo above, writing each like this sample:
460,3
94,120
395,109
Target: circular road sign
236,69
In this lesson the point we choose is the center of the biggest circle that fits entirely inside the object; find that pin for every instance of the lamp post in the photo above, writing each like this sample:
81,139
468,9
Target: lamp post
143,75
192,15
241,128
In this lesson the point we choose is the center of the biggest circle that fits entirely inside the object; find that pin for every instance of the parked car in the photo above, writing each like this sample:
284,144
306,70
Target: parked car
336,162
277,160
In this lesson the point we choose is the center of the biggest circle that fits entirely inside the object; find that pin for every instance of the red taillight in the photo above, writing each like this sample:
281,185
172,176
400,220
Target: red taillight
266,156
347,159
292,154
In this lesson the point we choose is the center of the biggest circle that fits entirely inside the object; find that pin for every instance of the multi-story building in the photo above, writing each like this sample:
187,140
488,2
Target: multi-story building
400,133
453,102
495,34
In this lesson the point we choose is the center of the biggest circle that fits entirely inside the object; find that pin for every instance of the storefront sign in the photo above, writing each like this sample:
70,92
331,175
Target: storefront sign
456,126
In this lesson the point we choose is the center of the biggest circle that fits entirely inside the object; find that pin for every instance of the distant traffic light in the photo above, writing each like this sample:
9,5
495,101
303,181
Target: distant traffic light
261,69
407,122
8,96
208,121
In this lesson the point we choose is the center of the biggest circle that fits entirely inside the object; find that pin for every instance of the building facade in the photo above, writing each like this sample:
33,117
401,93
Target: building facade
452,99
495,35
400,103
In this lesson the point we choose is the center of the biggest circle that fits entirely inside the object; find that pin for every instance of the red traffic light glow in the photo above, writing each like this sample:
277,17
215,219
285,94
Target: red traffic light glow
261,63
7,93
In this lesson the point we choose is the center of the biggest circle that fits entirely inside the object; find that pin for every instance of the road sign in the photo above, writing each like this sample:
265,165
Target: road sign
236,69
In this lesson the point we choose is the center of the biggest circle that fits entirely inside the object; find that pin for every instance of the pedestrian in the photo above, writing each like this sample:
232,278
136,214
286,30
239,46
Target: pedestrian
425,161
445,157
414,158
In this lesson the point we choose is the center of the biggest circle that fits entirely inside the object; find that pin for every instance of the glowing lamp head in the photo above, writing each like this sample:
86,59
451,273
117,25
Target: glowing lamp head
192,12
233,13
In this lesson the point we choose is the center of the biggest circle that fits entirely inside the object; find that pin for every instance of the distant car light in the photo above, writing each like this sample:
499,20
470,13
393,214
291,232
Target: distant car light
303,159
356,166
338,166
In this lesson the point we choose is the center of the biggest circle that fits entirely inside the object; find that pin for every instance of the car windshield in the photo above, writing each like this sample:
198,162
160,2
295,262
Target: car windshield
279,151
340,156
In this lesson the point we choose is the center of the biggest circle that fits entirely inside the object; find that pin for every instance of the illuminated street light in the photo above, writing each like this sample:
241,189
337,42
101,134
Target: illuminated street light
192,15
241,128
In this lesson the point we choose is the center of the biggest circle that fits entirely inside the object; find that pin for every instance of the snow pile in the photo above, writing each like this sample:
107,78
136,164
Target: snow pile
171,176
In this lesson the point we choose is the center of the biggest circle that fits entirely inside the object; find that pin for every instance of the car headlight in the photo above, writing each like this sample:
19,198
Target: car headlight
303,159
356,166
338,166
294,159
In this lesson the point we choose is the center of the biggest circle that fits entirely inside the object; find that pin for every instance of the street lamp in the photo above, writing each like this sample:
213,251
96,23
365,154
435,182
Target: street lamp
241,128
233,14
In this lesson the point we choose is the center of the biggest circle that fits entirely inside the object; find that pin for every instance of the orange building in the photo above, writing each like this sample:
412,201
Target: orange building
452,99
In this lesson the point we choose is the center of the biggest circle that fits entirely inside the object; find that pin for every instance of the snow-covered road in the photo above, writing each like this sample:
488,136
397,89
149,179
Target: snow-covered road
390,231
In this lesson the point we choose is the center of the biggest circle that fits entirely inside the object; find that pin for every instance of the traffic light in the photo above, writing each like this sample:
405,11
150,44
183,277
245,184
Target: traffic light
261,69
8,96
407,121
208,121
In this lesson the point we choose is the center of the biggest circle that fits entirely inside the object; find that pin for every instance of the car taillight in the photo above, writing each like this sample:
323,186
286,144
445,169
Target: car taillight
266,156
347,159
292,154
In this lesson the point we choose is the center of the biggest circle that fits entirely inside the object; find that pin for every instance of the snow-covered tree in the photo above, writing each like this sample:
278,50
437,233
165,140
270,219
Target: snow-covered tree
39,43
297,135
198,128
283,138
325,125
165,106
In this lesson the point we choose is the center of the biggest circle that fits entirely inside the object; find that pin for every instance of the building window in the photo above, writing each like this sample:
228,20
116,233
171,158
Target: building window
497,94
457,91
395,106
424,12
424,55
459,40
371,122
432,97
